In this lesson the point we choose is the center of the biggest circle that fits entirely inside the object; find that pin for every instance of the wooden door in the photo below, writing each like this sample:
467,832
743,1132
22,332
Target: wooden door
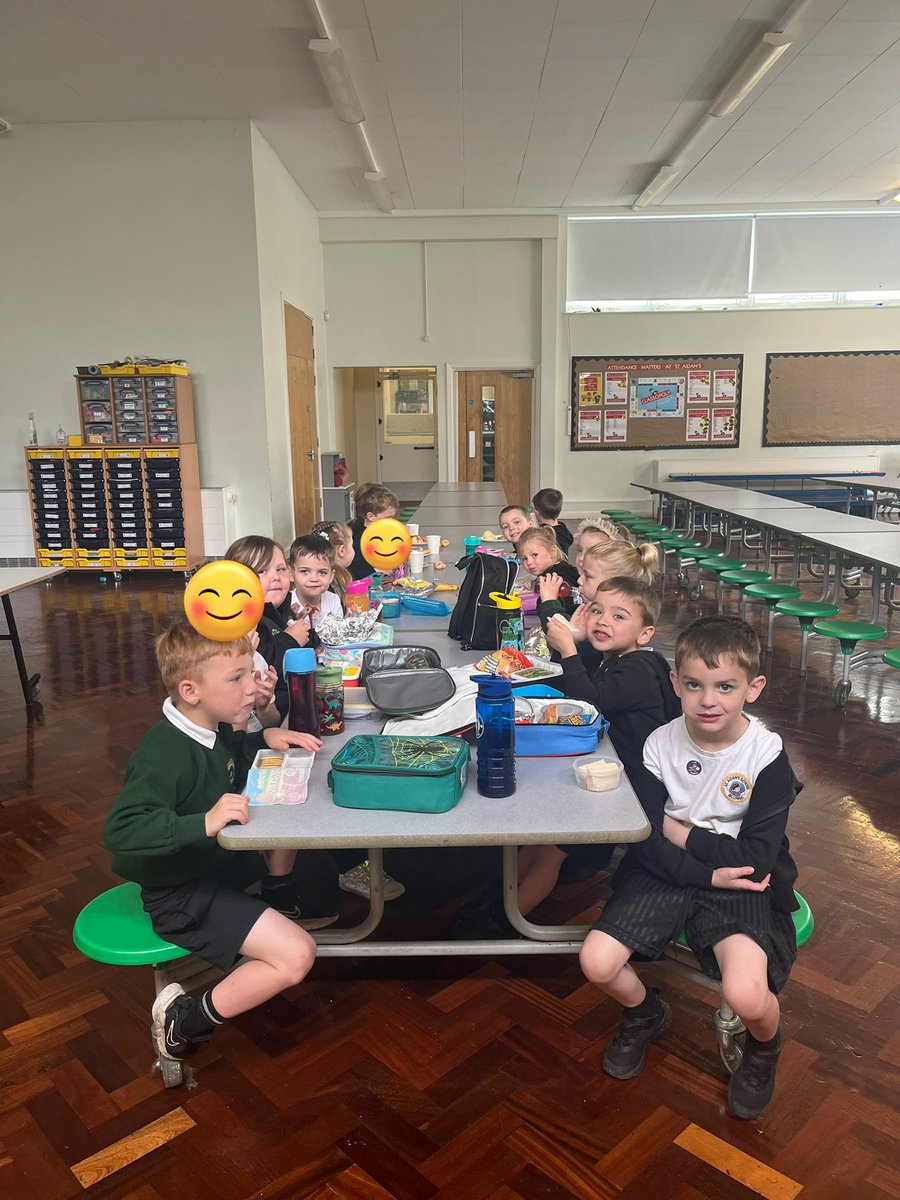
495,430
301,380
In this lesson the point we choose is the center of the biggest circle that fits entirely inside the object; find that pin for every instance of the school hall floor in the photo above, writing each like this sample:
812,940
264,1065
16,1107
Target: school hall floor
423,1078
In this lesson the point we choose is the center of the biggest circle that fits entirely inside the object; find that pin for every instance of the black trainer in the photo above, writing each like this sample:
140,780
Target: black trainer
283,898
169,1010
751,1087
624,1057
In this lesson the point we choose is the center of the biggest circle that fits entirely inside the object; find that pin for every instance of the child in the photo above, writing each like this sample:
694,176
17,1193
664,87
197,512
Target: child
372,503
593,531
717,792
514,520
311,560
548,504
340,537
182,786
540,555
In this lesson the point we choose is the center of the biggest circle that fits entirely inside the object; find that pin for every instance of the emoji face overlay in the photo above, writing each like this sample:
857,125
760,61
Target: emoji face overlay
223,600
385,544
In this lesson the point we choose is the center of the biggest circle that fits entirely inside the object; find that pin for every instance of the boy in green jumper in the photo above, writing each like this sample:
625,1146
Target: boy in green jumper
182,786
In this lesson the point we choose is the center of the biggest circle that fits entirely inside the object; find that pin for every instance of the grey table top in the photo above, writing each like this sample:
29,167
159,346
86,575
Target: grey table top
870,483
722,499
14,578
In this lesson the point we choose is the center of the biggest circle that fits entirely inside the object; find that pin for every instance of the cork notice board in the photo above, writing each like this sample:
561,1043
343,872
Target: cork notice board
832,398
656,403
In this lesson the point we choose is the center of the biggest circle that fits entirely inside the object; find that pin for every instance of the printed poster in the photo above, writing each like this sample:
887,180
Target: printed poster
697,425
657,396
588,427
615,387
725,389
723,424
615,425
699,387
588,390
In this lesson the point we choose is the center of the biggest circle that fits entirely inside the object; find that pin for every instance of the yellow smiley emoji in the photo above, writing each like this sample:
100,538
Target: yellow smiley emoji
385,544
224,600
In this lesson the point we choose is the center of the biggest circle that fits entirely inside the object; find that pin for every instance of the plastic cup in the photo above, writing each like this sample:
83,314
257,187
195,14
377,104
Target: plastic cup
416,562
434,544
413,528
471,544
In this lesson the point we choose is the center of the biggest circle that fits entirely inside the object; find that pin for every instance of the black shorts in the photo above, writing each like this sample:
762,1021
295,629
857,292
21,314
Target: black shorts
212,916
594,854
646,914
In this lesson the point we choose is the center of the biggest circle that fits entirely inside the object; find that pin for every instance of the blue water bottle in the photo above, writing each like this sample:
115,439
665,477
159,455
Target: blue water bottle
495,733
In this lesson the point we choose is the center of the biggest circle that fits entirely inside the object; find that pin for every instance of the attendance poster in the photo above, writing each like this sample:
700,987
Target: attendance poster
615,387
725,387
615,425
723,424
657,396
697,425
588,390
588,427
699,387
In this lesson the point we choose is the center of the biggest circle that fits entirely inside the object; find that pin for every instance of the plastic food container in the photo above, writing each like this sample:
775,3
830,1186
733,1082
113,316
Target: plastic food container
598,774
279,776
390,605
350,675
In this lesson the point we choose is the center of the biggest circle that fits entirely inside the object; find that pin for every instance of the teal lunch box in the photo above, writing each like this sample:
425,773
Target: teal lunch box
539,741
404,774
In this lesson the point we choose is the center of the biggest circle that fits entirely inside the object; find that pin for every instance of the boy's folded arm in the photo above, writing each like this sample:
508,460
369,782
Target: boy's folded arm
656,854
144,820
762,830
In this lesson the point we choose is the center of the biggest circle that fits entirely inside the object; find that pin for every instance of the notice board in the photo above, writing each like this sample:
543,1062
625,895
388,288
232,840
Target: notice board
832,398
656,403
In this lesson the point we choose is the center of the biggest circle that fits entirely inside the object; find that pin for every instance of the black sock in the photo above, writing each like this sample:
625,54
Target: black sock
771,1044
647,1006
275,883
202,1018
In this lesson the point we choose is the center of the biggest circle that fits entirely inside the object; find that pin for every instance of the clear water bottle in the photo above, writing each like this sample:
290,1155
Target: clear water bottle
495,734
300,676
510,635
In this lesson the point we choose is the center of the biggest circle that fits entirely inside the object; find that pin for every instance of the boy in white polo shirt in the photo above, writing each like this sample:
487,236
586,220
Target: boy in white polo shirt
717,788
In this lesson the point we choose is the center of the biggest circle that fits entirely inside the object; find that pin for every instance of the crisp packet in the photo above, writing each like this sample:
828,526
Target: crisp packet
536,643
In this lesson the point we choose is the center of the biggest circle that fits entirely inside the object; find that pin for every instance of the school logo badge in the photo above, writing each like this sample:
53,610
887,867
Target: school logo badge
736,788
693,767
229,767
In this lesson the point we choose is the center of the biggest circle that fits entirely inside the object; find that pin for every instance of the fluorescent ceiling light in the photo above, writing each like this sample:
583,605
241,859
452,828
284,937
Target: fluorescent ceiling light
761,59
5,126
336,76
380,191
661,182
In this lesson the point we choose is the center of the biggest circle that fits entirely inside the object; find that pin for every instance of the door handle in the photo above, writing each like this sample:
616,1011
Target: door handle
423,447
471,443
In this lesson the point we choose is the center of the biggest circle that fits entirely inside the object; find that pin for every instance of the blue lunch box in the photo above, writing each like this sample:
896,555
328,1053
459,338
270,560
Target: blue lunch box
548,741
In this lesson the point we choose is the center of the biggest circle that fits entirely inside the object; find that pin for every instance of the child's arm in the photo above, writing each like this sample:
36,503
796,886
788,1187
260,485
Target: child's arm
283,739
144,819
617,689
762,829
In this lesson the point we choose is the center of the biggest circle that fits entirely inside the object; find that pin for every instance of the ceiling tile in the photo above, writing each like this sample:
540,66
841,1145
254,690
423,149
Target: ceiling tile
414,12
429,43
503,42
580,39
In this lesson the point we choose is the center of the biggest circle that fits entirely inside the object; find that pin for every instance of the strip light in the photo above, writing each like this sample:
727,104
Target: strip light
380,191
336,76
761,59
660,183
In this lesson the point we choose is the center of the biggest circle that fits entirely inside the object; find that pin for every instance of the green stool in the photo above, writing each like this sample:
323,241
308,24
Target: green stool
848,633
806,611
892,658
718,565
114,928
740,580
728,1026
770,593
689,553
616,514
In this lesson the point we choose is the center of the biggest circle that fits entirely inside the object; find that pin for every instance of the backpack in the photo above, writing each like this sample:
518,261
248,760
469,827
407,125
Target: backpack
473,622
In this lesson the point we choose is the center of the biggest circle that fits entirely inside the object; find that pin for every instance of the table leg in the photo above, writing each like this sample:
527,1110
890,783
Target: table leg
356,933
528,929
29,685
876,592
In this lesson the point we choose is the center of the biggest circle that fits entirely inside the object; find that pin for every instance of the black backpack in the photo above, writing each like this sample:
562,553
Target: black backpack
473,622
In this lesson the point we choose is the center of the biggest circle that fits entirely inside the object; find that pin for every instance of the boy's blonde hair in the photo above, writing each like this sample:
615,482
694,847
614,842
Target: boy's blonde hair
373,498
597,525
254,551
544,537
622,558
644,596
182,652
713,638
338,534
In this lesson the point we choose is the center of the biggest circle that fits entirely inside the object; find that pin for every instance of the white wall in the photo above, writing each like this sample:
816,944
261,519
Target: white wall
483,305
290,269
589,477
133,239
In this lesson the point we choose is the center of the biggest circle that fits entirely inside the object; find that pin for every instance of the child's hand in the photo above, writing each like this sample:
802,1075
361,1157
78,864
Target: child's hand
734,878
299,631
229,809
283,739
675,831
578,622
560,638
549,585
265,688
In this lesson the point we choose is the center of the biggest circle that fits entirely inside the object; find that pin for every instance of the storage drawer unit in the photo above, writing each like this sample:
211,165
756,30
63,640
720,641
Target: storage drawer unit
136,409
51,518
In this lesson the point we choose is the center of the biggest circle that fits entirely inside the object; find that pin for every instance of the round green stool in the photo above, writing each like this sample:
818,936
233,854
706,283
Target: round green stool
848,633
892,658
770,593
729,1027
114,928
806,611
717,564
740,580
616,514
686,553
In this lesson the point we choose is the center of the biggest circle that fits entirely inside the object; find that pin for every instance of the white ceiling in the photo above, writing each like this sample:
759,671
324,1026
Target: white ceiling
489,104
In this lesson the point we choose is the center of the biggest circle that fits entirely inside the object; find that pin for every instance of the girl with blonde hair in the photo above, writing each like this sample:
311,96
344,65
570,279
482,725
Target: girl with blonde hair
340,538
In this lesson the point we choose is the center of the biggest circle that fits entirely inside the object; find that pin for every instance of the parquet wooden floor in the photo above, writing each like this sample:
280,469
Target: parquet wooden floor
426,1079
